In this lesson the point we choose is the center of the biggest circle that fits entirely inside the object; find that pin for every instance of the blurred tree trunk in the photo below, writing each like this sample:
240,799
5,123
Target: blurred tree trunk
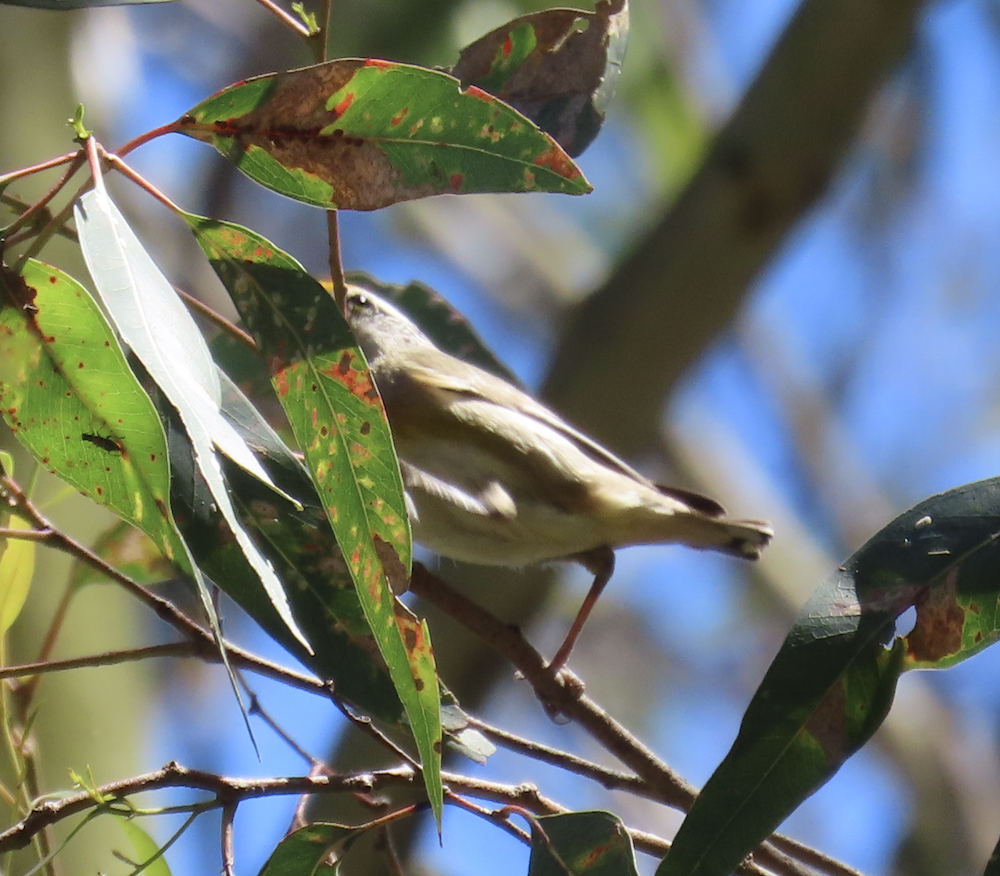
625,347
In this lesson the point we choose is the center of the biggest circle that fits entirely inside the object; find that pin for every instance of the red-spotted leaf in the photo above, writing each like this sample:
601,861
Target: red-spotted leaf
69,397
360,135
558,67
832,683
581,844
338,419
298,541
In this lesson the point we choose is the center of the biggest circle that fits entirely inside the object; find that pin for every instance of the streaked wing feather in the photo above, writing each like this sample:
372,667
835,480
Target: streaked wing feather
473,381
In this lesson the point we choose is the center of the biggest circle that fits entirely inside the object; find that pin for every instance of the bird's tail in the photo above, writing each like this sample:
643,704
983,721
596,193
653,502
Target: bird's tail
746,538
709,528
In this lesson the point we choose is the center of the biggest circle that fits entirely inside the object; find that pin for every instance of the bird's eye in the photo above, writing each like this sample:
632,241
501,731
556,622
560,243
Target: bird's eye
360,301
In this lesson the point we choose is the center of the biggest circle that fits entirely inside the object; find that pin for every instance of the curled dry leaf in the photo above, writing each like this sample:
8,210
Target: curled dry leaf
558,67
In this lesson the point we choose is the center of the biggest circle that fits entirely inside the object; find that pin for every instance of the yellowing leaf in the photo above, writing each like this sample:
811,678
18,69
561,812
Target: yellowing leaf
17,568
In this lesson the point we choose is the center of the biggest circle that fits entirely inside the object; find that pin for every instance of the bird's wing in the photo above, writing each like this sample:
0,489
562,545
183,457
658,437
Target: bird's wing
472,382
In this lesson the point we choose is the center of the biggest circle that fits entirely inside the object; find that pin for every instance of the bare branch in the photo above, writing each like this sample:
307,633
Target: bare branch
559,692
227,791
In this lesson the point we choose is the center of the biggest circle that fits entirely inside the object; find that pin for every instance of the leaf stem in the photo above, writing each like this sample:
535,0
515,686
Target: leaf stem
142,139
323,34
336,265
115,162
217,319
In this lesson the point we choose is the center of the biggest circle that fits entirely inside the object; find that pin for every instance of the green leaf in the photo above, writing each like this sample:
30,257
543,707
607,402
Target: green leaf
69,397
832,683
360,135
558,67
162,334
303,852
324,385
148,852
76,4
581,844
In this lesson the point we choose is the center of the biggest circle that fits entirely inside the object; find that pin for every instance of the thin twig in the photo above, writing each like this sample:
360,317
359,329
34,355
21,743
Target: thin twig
40,205
528,797
501,821
217,319
383,844
228,853
26,534
145,138
316,766
608,778
807,855
8,178
173,775
286,18
107,658
52,227
367,726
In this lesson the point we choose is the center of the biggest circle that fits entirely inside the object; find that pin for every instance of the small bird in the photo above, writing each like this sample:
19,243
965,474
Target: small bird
494,477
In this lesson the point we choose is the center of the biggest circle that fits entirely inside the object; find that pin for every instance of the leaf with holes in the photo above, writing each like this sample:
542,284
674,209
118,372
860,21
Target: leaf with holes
832,683
559,67
581,844
360,135
324,385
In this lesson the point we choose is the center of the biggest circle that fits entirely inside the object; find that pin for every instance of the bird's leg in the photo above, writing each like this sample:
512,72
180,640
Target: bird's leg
601,562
